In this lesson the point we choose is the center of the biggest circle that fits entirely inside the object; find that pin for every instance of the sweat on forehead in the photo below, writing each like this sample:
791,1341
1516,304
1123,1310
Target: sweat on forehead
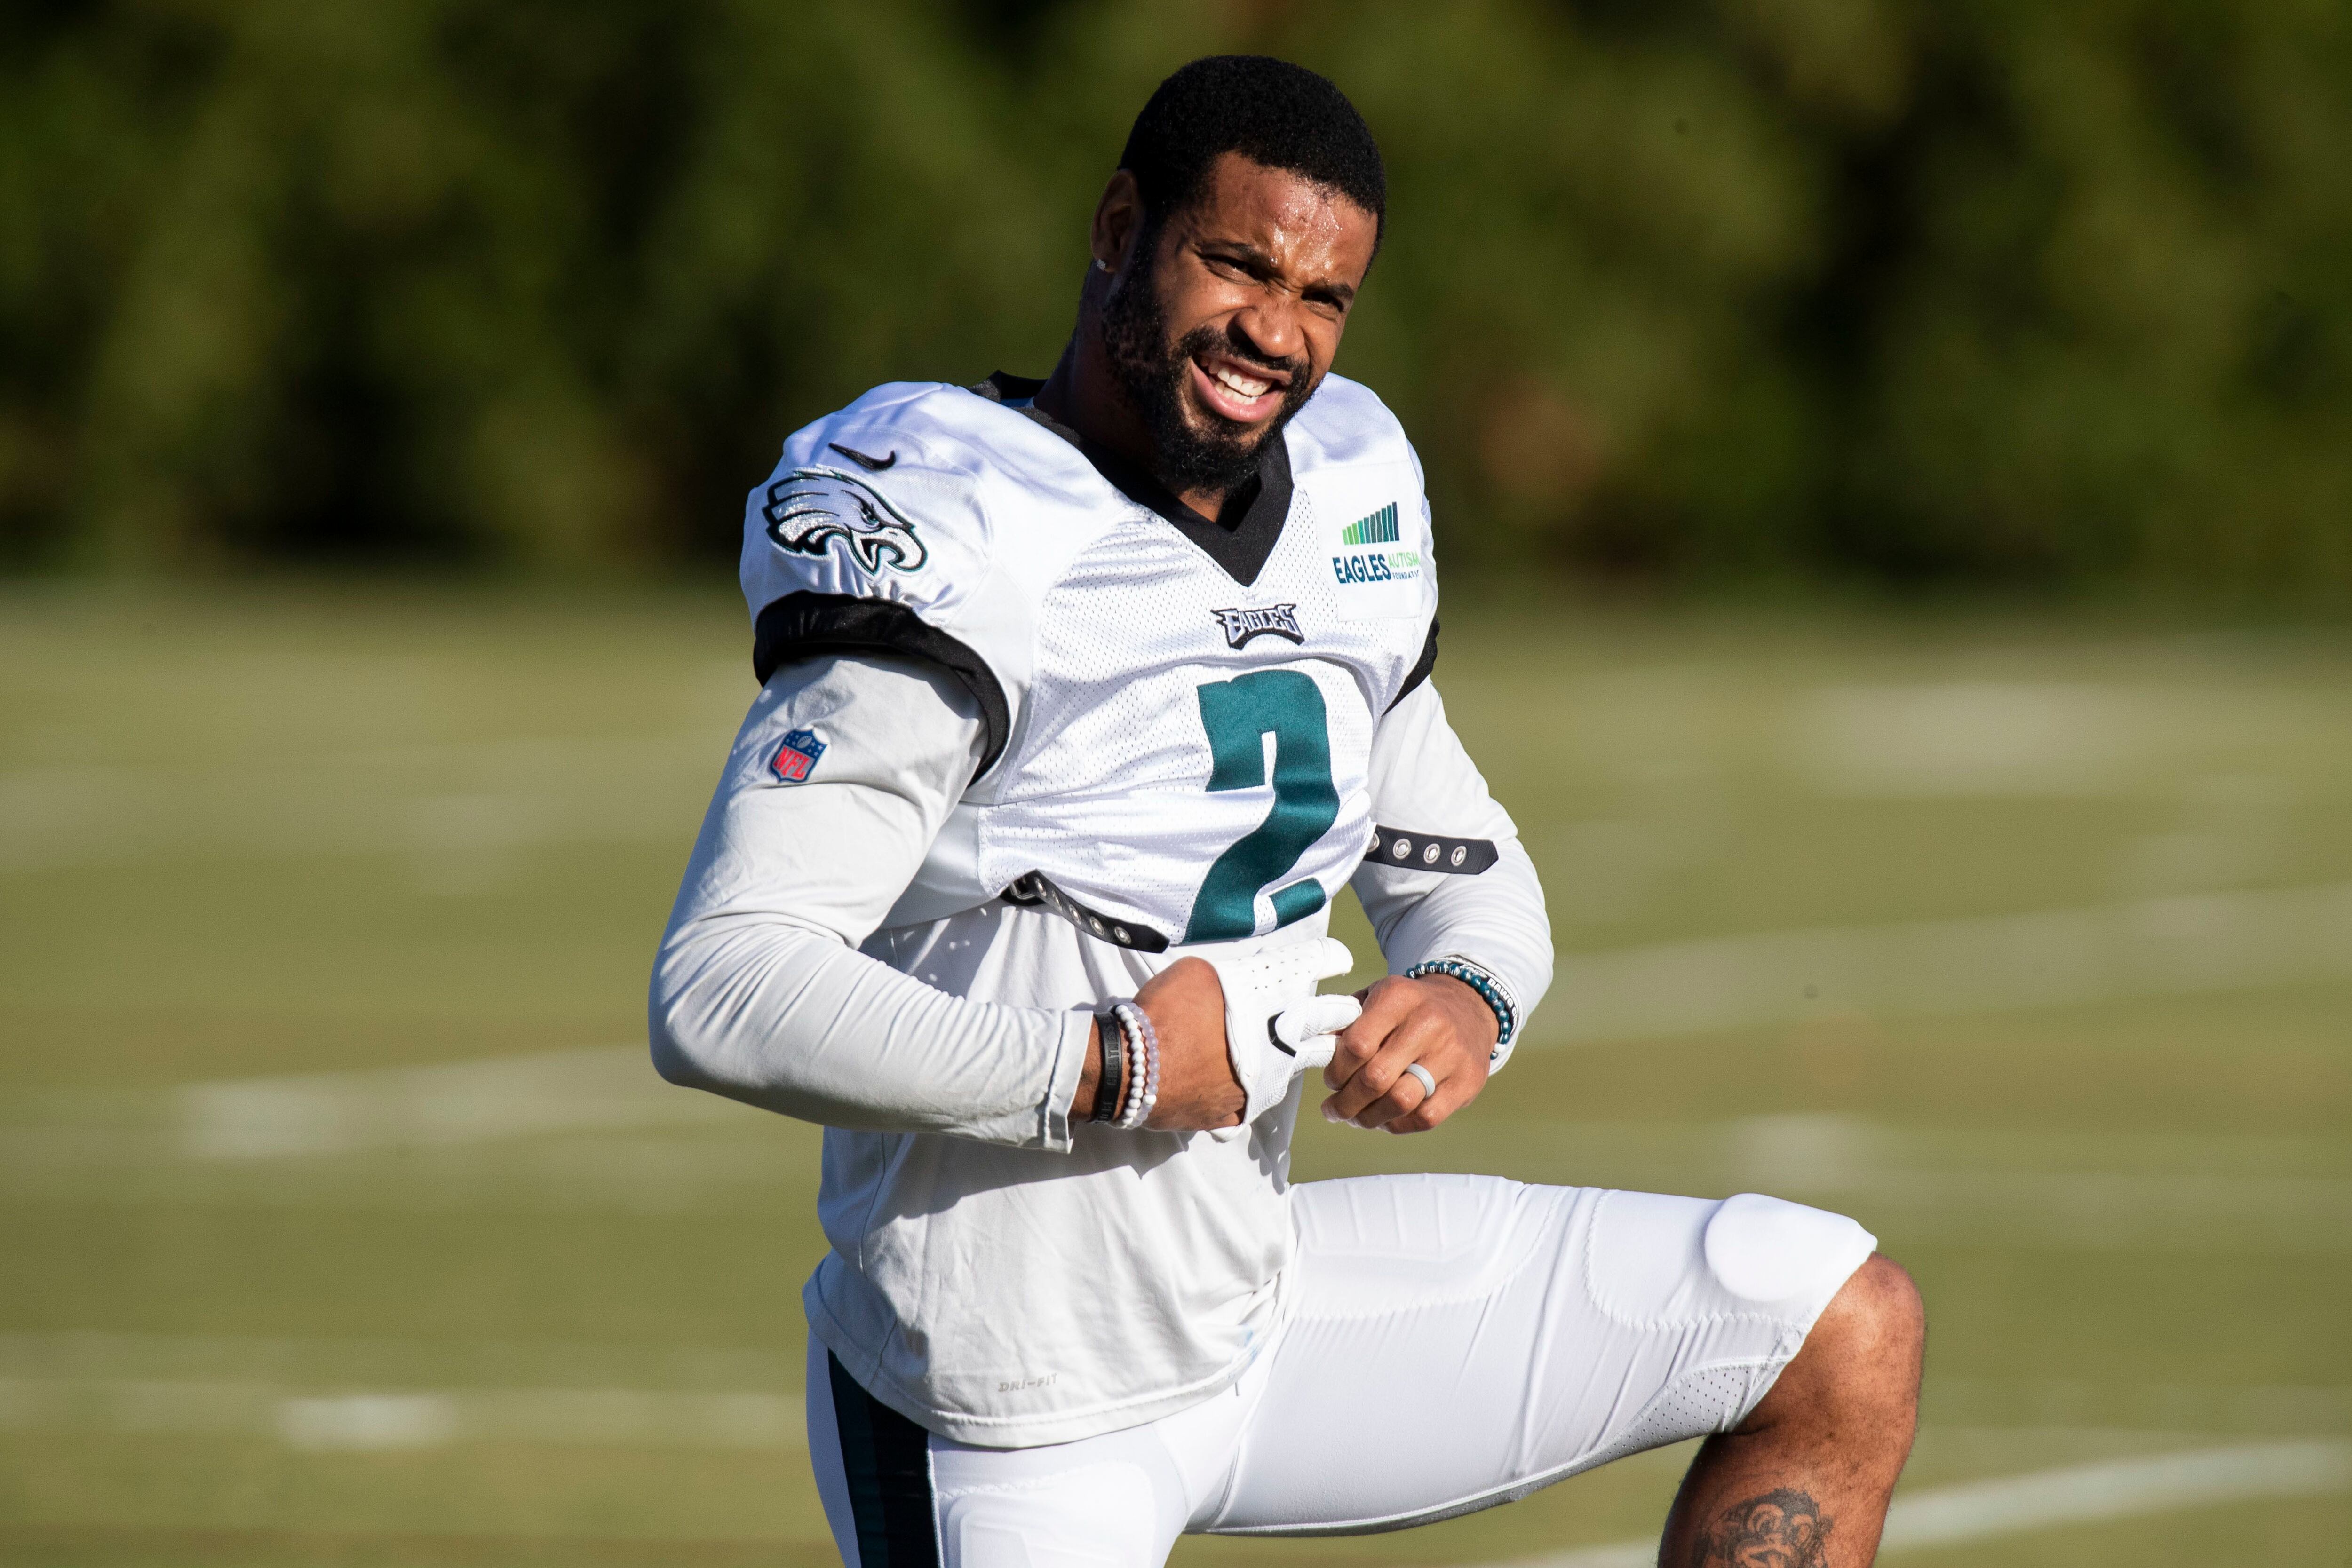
1270,111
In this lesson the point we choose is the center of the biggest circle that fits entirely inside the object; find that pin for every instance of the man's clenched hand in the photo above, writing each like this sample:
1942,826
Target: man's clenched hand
1436,1022
1234,1033
1198,1090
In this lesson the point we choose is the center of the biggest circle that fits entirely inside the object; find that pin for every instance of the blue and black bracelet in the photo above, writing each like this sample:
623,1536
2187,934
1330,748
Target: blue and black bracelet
1489,990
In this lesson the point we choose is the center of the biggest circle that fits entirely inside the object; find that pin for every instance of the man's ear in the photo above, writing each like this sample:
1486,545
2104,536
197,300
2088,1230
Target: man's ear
1119,221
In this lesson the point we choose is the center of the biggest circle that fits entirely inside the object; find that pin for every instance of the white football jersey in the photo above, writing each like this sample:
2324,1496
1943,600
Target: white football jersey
1170,727
1180,718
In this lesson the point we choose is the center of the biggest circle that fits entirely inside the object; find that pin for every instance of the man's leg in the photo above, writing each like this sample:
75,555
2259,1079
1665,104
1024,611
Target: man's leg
1453,1343
899,1497
1804,1481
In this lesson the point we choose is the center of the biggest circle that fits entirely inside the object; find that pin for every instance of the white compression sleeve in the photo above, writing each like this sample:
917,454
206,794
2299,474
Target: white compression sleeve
1423,781
758,992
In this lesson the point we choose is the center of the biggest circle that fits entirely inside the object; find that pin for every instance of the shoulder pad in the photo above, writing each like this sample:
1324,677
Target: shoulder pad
877,531
1345,424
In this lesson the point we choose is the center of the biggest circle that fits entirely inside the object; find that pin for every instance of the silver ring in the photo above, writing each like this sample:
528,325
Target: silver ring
1428,1084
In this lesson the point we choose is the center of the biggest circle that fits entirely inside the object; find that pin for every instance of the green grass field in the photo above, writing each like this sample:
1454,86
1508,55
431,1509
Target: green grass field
340,1221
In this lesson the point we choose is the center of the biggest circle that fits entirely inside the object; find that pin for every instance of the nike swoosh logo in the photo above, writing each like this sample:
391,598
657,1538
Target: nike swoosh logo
871,464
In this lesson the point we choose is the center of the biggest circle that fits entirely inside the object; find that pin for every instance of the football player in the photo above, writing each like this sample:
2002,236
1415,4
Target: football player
1080,701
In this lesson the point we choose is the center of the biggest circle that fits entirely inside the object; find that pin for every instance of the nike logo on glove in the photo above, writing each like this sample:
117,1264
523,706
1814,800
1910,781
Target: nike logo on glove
871,464
1270,996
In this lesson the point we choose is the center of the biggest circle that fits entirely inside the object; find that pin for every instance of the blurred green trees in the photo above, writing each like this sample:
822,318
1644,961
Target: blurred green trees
1997,291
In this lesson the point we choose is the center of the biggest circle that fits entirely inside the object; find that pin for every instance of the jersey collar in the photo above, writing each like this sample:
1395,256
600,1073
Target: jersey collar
1239,541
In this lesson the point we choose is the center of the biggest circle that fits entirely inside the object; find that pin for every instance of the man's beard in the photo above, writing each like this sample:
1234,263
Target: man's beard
1151,371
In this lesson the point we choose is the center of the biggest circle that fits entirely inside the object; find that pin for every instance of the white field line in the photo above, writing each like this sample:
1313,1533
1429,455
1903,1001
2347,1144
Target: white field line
602,1089
2077,1494
1883,1175
1888,1177
305,1365
2272,1410
2160,946
1985,1407
320,1422
2154,948
2118,1489
459,799
2095,1210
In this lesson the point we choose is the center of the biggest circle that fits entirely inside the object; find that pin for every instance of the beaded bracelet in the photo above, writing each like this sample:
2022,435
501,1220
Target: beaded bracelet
1489,990
1141,1065
1143,1041
1152,1066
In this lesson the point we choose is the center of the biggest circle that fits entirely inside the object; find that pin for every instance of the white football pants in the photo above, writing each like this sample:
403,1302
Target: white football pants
1447,1342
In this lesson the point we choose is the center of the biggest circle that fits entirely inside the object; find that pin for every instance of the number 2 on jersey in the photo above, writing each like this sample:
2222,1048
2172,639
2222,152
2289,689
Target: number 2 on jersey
1238,715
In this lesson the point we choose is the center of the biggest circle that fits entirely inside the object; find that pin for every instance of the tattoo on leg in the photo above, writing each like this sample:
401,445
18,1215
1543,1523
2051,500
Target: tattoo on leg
1779,1529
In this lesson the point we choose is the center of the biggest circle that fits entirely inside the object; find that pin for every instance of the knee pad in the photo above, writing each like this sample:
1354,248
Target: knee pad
1100,1516
1767,1250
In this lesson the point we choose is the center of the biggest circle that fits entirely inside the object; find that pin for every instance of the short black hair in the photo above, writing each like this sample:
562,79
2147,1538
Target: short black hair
1268,111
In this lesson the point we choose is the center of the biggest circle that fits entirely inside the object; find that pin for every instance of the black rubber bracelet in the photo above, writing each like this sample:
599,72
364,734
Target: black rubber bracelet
1108,1088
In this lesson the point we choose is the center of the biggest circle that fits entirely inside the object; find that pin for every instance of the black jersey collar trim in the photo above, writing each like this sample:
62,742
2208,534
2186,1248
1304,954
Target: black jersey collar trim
1240,541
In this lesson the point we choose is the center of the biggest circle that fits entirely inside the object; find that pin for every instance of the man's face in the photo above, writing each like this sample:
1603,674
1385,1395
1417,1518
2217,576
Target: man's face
1229,316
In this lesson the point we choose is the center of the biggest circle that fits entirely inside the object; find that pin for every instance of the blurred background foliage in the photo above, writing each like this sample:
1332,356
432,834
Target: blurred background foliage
1991,293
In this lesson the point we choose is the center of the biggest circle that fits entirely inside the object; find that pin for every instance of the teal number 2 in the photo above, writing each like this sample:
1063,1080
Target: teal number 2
1238,715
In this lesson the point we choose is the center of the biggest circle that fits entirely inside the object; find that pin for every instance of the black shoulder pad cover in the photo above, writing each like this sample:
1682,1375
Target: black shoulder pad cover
806,624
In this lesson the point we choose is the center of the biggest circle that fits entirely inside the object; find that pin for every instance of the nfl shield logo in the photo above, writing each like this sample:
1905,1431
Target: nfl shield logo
797,755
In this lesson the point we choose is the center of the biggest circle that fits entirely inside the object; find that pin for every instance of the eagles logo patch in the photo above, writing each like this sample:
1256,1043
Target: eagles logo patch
809,508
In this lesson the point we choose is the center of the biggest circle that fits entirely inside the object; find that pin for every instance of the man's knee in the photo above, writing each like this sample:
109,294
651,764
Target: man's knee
1880,1315
1863,1353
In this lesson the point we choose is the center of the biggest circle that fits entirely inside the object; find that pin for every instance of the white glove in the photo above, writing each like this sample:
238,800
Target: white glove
1275,1026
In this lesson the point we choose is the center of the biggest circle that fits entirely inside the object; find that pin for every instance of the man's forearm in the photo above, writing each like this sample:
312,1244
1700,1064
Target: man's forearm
793,1021
1496,920
1425,782
758,992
